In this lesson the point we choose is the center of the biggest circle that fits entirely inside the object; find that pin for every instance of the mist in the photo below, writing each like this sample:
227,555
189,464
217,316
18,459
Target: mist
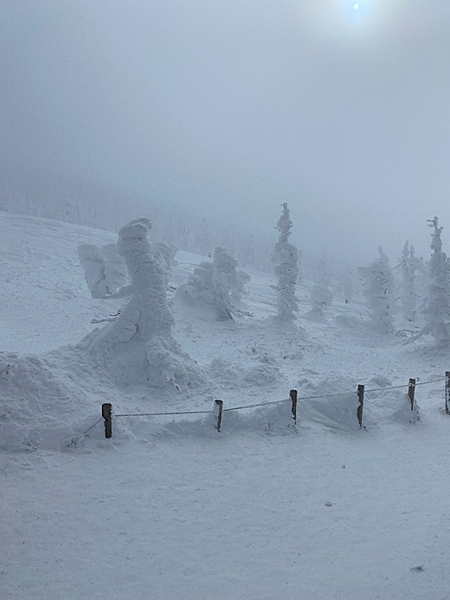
231,108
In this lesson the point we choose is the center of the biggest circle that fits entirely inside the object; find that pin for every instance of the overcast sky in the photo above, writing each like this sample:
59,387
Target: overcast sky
239,105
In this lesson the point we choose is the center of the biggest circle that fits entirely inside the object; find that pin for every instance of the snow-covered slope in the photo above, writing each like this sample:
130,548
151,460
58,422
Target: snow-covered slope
169,508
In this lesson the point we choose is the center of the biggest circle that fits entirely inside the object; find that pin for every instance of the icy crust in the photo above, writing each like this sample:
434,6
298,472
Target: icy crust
138,346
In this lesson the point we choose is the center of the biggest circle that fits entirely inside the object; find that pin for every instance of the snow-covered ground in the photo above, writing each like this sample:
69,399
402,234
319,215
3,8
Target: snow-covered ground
171,509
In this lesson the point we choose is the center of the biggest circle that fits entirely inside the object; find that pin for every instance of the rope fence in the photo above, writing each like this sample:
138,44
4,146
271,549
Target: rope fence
219,409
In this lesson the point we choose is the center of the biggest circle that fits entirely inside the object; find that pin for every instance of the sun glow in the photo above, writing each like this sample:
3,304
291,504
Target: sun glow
355,19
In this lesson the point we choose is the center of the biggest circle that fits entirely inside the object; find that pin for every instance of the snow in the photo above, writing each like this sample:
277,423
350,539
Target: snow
171,509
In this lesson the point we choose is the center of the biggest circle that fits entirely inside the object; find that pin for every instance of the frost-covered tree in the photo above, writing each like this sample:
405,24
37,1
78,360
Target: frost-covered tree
138,347
225,283
104,270
321,296
285,258
216,284
437,300
165,253
379,291
408,295
199,286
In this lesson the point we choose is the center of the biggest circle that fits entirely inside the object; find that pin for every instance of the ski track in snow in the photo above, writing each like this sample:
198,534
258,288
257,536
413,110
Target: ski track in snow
169,509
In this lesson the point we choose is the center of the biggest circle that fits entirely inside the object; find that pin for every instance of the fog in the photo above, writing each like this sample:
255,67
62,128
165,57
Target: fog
233,107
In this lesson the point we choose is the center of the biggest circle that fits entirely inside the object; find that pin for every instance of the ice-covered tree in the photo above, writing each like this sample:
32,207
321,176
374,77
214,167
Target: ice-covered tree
408,295
199,288
379,291
285,258
437,300
216,284
225,283
321,296
138,346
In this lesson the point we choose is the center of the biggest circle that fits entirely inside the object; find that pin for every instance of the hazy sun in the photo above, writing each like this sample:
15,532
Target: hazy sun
355,6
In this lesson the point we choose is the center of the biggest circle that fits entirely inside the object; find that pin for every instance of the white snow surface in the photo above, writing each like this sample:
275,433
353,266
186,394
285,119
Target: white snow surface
171,509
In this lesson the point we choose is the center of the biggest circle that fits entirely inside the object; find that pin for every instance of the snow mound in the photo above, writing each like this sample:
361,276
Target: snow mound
234,376
42,405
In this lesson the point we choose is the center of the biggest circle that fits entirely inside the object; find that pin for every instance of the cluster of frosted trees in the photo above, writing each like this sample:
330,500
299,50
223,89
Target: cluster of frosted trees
434,304
437,300
220,286
379,285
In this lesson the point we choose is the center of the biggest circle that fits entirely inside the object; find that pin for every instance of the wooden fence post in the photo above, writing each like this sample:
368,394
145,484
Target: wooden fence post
411,394
293,396
218,408
359,410
106,414
447,392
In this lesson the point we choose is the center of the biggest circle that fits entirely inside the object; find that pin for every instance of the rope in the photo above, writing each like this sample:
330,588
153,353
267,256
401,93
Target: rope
427,382
204,412
186,412
385,389
397,387
254,405
92,426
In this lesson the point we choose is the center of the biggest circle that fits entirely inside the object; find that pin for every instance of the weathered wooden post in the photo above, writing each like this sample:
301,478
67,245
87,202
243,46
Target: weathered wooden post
293,396
218,408
447,392
411,394
106,414
359,410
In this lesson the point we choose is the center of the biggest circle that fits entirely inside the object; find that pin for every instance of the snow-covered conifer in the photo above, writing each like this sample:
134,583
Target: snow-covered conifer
437,300
379,290
216,284
225,283
199,287
408,296
321,296
138,346
285,258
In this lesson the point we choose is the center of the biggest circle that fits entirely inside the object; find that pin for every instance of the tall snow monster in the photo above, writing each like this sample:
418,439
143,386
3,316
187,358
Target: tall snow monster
138,347
285,258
